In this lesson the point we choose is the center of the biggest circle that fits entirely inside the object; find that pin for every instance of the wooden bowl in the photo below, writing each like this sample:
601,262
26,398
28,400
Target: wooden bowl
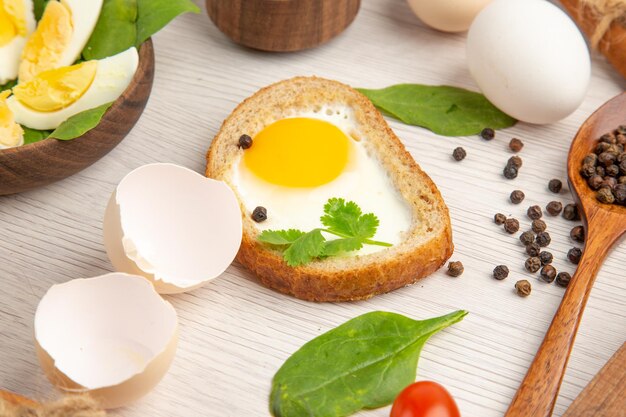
41,163
282,25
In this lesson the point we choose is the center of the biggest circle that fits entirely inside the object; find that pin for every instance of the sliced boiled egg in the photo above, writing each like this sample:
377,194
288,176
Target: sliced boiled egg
111,336
173,226
17,22
55,95
11,133
60,37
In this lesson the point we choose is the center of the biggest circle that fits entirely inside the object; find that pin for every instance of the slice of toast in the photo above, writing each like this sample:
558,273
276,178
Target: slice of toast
425,247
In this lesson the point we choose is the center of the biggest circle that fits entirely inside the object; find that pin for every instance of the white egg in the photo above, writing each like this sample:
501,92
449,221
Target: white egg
10,52
363,180
529,59
448,15
113,75
85,15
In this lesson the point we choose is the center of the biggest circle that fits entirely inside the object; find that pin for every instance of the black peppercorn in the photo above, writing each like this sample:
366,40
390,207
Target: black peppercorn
622,166
587,171
245,142
609,182
595,181
543,239
602,147
517,196
622,179
574,255
511,225
608,138
459,154
510,172
612,170
523,288
620,193
570,212
515,161
538,226
527,238
554,208
545,257
577,234
563,279
600,171
516,145
500,272
499,219
534,212
532,264
488,133
591,159
555,185
455,268
533,250
607,158
605,195
548,273
259,214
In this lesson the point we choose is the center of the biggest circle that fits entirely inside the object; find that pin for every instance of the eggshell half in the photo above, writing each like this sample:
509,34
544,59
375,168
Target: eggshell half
111,336
173,226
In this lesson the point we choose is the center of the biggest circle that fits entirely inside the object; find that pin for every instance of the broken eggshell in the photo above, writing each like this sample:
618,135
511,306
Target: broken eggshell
111,336
173,226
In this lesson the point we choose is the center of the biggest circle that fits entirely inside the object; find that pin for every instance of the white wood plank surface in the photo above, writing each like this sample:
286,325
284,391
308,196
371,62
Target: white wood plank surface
235,334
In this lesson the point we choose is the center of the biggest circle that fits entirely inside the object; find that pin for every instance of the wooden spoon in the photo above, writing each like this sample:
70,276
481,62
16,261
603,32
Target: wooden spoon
604,224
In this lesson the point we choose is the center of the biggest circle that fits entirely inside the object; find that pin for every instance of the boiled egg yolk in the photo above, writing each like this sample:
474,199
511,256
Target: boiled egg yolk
58,88
46,45
11,133
12,20
298,152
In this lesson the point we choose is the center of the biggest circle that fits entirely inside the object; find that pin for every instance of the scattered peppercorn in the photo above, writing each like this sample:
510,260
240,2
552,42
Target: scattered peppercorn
527,238
545,257
534,212
548,273
245,142
511,225
510,172
259,214
574,255
533,250
577,234
515,161
555,185
538,226
532,264
516,145
554,208
543,239
523,288
499,219
488,133
455,268
563,279
570,212
459,154
517,196
500,272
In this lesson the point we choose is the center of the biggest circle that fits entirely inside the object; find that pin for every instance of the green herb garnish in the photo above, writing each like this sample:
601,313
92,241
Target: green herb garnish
445,110
80,123
364,363
341,219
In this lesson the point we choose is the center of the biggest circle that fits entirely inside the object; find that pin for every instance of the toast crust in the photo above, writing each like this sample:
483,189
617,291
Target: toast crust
428,243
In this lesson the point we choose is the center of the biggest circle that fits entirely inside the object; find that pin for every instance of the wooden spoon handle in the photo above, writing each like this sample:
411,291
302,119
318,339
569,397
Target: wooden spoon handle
537,394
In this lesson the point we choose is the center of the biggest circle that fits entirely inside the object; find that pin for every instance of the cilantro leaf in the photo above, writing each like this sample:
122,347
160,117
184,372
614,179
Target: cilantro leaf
280,237
305,248
347,220
339,246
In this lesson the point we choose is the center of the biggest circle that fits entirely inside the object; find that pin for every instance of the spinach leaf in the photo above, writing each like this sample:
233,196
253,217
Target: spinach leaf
116,30
80,123
364,363
32,135
447,111
153,15
39,6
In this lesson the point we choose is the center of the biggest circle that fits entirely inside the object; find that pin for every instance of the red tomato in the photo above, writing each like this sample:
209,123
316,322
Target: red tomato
424,399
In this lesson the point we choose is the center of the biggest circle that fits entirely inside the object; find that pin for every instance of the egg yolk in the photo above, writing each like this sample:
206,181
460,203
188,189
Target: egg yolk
12,20
45,47
11,133
298,152
58,88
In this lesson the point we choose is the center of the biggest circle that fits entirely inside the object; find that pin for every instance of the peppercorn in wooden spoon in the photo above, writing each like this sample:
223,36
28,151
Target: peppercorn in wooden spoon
605,224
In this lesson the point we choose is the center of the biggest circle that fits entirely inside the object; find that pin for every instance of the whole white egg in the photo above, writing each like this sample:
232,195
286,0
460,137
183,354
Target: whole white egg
448,15
529,59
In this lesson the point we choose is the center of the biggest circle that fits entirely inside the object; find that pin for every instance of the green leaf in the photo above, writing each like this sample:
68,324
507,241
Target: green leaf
343,245
80,123
39,6
447,111
364,363
280,237
32,135
153,15
346,219
116,30
305,248
8,85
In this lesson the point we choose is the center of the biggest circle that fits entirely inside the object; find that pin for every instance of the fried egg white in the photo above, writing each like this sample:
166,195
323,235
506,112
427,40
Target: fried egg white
17,22
297,163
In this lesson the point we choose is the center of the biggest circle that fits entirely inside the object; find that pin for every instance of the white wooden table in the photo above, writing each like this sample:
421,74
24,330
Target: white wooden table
235,333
